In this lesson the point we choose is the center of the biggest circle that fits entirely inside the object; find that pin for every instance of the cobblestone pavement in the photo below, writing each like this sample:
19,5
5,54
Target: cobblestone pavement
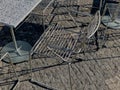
99,70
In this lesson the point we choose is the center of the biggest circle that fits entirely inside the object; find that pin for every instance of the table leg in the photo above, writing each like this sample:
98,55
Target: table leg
14,40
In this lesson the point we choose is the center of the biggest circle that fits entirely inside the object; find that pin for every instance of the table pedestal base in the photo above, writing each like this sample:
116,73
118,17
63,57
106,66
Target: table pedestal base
19,55
107,21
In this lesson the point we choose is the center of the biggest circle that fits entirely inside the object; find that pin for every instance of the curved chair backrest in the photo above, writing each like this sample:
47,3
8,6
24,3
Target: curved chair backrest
94,25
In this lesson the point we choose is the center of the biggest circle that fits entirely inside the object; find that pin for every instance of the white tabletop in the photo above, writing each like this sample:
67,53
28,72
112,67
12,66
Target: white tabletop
13,12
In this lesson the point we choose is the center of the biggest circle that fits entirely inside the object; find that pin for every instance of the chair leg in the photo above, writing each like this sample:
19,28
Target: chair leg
41,84
96,41
69,66
37,83
103,37
11,63
17,81
30,66
77,10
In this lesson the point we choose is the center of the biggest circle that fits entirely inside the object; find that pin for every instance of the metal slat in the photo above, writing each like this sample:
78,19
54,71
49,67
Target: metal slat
56,40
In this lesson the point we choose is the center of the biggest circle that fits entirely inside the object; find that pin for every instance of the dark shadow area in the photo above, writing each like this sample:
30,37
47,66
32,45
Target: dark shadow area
78,60
96,5
15,83
42,85
5,36
28,32
97,59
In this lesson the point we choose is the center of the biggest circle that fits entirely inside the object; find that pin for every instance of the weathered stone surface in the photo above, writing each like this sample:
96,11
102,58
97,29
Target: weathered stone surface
98,70
13,12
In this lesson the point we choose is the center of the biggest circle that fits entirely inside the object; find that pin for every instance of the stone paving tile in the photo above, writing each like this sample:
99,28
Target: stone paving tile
113,83
98,70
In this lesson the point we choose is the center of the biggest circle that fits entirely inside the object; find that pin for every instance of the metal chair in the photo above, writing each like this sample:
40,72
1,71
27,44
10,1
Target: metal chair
55,41
88,35
93,28
56,4
47,15
93,20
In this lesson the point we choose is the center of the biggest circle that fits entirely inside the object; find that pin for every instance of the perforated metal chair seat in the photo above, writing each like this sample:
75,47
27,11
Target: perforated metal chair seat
55,41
